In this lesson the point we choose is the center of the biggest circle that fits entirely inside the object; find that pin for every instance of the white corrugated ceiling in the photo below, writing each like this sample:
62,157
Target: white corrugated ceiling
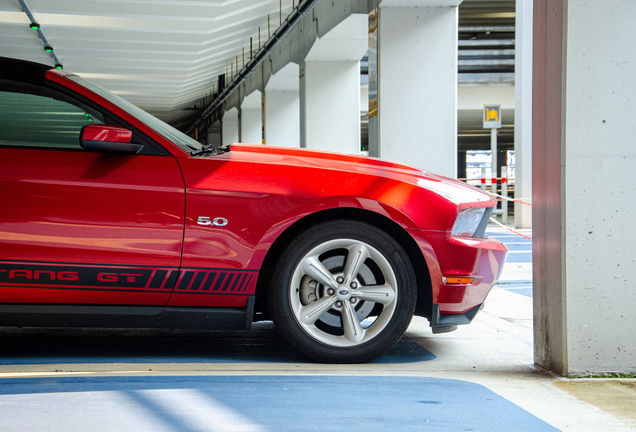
162,55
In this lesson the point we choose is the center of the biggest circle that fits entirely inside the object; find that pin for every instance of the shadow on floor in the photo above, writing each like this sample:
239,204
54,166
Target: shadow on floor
262,345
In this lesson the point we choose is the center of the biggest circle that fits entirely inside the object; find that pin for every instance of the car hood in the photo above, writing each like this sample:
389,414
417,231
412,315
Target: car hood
453,190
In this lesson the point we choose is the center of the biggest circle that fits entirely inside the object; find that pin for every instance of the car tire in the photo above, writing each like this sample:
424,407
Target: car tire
342,292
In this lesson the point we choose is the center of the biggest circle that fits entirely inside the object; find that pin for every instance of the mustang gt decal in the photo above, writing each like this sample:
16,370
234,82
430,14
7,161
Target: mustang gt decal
147,279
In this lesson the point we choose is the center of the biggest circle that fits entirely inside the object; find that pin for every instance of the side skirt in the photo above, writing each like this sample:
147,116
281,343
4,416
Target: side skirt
21,315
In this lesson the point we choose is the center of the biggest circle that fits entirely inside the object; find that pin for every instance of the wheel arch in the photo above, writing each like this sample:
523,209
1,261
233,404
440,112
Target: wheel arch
424,286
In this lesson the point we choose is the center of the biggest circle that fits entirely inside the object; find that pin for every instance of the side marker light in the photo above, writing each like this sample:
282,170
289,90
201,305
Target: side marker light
457,280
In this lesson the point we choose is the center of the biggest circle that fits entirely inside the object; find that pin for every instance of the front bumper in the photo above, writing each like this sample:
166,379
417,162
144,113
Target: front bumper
450,257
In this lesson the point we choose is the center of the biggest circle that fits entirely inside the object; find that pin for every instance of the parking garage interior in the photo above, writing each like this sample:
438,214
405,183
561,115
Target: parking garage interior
405,80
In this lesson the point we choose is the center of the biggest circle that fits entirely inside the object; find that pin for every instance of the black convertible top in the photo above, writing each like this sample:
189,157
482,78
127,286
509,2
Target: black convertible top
22,70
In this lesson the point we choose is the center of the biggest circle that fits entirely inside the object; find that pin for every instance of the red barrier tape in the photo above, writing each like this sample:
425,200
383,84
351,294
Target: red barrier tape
501,198
513,200
510,229
519,234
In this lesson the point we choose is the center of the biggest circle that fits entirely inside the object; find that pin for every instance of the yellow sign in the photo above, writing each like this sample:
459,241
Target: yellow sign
492,116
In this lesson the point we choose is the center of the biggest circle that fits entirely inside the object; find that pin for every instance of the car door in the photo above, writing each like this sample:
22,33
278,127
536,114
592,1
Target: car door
77,226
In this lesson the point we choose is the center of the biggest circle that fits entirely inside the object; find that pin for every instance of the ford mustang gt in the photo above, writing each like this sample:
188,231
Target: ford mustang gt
111,218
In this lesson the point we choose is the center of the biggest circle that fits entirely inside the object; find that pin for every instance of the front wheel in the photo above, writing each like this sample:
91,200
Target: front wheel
343,292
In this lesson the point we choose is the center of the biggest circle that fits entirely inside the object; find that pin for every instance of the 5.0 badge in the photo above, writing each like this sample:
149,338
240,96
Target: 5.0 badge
205,220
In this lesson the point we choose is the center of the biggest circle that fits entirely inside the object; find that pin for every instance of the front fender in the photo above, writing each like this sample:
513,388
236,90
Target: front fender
315,207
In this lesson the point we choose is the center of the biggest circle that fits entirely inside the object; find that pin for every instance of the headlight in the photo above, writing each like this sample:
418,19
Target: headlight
468,221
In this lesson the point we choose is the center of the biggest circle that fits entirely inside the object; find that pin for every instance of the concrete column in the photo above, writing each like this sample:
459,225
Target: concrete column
523,111
417,83
330,99
230,127
584,201
251,119
282,108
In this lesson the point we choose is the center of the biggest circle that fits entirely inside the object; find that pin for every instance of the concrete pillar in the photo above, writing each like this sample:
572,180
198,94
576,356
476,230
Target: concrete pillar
523,111
282,108
584,200
230,127
251,119
330,80
417,83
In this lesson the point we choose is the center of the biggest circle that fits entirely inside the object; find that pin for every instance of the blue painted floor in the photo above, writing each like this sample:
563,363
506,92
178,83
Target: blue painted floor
257,403
524,289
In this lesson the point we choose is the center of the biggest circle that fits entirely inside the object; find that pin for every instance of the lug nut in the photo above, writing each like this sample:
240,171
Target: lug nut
339,304
354,285
331,291
353,300
340,279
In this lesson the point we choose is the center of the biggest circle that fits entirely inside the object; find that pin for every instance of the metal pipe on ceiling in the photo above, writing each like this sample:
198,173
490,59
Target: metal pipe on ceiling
286,27
45,41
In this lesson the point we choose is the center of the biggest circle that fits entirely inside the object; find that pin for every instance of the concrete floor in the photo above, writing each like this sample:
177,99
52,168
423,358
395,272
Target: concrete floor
478,378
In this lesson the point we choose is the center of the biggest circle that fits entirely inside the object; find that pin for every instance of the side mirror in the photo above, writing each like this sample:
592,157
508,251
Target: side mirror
108,139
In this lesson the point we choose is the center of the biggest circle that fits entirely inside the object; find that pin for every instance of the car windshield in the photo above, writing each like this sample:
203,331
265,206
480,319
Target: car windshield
180,139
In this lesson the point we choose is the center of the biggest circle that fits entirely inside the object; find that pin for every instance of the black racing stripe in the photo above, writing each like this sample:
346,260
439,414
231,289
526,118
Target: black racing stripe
219,282
157,280
172,279
185,280
236,283
247,283
228,281
122,278
198,281
209,282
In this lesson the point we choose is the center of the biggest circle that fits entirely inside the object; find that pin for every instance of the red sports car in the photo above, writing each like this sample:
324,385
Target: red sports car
111,218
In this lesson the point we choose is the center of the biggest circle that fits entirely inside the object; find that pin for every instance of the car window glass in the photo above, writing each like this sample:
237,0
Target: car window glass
42,121
179,138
